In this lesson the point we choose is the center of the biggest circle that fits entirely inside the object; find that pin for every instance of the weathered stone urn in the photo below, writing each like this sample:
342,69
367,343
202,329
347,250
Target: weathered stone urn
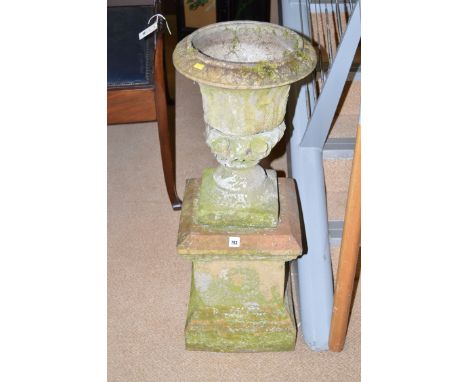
244,70
238,225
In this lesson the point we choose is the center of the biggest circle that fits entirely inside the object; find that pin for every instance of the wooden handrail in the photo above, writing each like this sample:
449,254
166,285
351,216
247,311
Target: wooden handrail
350,245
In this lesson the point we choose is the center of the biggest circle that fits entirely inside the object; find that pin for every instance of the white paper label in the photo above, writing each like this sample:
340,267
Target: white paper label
148,30
234,241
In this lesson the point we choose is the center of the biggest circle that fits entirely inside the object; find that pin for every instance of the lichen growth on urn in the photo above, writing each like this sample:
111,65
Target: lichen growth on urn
263,69
244,111
243,151
245,54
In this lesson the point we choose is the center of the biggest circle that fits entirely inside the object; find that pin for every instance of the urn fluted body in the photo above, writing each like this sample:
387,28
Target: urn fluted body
244,70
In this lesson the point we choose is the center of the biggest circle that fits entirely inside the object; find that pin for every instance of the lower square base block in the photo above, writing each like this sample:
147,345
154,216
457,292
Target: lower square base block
239,300
239,306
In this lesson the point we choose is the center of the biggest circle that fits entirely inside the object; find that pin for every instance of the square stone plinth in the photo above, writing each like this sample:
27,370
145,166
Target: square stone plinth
239,300
221,208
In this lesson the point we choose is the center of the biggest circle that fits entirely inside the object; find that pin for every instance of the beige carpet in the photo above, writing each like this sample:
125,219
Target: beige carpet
148,284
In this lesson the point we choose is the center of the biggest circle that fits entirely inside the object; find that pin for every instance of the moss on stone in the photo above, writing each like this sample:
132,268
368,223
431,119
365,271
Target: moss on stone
258,145
265,69
300,54
260,338
224,208
235,41
249,111
295,58
230,313
228,72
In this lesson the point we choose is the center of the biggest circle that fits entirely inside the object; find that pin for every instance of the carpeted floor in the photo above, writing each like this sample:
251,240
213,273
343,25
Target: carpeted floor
148,284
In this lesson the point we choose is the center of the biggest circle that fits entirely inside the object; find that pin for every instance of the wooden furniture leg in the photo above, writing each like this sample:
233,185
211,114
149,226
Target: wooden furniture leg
165,141
349,252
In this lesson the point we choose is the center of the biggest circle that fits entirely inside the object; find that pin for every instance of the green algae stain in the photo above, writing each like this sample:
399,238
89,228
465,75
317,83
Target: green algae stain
228,209
235,42
219,145
258,145
264,69
238,286
294,59
249,111
301,55
230,313
231,341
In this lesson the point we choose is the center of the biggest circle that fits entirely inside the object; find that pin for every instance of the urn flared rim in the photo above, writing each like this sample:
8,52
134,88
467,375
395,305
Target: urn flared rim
244,55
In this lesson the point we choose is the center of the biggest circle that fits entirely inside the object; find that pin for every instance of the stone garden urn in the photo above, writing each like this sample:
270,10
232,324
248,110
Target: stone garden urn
244,70
239,225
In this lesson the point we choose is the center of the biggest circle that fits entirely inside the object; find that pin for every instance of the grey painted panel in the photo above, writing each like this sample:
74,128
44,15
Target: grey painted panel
339,148
314,271
314,274
335,232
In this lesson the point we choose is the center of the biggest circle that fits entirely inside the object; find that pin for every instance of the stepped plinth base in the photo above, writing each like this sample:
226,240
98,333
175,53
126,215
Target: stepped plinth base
240,206
239,301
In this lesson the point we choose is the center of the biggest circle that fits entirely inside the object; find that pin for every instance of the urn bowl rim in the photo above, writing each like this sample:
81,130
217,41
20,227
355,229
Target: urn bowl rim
244,55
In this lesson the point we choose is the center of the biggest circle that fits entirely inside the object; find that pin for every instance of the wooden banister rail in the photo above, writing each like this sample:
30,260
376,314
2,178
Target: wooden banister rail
349,252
